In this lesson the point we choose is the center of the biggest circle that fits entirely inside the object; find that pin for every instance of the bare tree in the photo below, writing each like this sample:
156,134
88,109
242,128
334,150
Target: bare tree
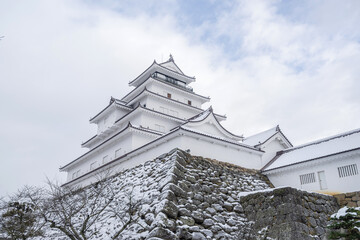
126,210
74,211
80,213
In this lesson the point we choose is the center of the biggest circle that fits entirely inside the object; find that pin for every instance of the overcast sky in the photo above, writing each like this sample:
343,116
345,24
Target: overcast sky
263,63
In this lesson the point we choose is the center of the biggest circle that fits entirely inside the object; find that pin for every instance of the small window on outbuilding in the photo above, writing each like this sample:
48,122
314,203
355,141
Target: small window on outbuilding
307,178
348,170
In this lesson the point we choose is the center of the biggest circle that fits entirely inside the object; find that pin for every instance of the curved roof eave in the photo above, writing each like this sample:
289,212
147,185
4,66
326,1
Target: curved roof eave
112,103
205,99
209,113
133,111
129,126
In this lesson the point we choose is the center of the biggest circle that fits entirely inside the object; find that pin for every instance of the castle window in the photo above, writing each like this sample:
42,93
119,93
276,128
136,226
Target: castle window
164,110
307,178
105,159
169,95
93,166
159,128
76,174
118,153
349,170
189,102
174,113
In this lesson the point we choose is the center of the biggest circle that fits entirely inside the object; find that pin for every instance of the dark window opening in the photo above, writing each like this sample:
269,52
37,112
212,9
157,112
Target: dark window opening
169,95
189,102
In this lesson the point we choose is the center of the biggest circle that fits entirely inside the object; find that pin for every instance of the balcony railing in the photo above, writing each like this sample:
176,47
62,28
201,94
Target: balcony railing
171,80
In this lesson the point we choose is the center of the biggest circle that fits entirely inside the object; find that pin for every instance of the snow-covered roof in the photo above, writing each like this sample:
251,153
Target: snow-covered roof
145,92
150,80
113,102
168,68
315,150
201,116
170,64
125,118
208,116
262,137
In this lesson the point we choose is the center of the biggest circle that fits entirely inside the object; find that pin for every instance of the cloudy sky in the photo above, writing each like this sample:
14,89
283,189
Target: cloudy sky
293,63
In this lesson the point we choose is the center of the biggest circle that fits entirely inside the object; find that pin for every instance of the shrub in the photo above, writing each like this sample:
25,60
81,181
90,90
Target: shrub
345,224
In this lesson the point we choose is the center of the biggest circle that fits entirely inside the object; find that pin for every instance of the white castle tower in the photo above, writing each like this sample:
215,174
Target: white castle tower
161,113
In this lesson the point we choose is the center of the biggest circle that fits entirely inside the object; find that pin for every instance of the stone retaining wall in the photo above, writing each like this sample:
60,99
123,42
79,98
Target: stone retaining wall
288,213
200,200
203,199
351,199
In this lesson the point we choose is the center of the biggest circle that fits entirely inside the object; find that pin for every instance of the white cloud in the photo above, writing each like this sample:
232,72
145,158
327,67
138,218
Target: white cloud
292,72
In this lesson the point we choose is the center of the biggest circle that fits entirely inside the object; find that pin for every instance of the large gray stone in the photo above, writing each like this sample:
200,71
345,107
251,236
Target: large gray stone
170,209
162,233
198,217
217,207
184,212
189,221
198,236
208,223
210,210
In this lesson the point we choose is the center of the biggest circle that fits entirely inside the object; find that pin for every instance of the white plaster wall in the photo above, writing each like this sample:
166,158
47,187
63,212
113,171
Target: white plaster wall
144,119
111,117
334,182
136,119
150,120
217,151
140,139
134,161
271,148
183,112
177,95
200,148
208,128
125,143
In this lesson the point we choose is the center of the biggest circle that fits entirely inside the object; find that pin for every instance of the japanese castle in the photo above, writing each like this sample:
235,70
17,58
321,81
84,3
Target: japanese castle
162,112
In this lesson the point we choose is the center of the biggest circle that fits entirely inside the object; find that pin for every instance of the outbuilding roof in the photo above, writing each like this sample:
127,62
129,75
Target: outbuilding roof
262,137
329,146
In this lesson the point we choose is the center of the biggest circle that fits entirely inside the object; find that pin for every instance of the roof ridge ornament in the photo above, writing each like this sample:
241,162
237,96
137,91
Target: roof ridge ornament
112,99
171,58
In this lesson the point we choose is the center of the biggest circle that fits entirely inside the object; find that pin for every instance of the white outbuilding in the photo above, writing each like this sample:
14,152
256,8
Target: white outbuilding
329,165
